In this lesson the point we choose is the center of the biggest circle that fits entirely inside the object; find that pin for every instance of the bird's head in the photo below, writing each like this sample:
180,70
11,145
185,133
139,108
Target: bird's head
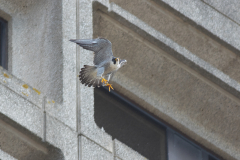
118,61
115,61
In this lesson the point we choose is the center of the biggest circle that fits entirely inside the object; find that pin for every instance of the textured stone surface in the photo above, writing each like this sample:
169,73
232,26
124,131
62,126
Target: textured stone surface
191,89
124,152
172,49
87,124
170,89
20,143
187,36
40,51
36,44
65,110
19,146
21,110
62,137
207,17
230,8
116,158
92,151
6,156
21,88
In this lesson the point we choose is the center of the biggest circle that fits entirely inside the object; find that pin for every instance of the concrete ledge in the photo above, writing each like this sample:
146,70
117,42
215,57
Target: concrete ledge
179,52
21,143
229,8
205,16
19,87
180,88
21,110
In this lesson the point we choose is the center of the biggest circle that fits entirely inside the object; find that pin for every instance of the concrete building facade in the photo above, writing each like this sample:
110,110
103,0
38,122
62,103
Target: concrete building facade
183,69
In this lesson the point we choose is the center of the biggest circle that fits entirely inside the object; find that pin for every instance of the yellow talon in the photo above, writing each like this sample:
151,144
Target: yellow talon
110,87
104,80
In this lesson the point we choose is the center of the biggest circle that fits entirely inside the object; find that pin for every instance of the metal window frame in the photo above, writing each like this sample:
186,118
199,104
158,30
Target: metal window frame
3,43
206,154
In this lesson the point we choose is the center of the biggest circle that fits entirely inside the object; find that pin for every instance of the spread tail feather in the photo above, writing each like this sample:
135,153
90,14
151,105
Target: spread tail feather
88,76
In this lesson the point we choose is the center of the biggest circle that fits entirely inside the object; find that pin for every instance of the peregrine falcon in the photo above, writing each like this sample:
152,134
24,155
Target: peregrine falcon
105,64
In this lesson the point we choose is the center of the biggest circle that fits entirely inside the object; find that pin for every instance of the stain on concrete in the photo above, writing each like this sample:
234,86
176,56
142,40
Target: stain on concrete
25,86
38,92
5,75
25,94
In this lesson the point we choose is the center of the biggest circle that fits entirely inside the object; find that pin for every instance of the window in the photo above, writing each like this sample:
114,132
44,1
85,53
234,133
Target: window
3,43
141,131
129,126
181,148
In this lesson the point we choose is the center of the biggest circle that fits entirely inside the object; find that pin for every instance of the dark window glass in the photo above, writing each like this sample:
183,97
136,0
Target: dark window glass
141,131
211,158
129,126
3,44
180,149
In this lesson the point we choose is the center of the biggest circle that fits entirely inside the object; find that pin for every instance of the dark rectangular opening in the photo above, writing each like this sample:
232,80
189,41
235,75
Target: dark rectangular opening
129,126
3,43
141,131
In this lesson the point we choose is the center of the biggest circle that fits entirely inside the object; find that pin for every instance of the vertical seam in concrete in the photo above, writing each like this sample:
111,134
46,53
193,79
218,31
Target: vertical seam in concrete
78,92
44,127
78,108
113,149
79,147
44,118
110,6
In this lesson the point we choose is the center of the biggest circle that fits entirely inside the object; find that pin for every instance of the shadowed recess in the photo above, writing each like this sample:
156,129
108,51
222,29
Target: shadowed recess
21,144
129,126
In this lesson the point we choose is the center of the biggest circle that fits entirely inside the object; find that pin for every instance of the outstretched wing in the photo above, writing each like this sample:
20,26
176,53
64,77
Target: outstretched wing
101,47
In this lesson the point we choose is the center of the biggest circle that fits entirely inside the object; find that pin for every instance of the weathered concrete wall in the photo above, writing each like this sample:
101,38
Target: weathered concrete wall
36,44
183,72
183,62
40,91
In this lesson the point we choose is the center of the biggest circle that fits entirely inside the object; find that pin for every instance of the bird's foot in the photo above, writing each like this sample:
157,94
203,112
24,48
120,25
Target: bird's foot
109,87
104,80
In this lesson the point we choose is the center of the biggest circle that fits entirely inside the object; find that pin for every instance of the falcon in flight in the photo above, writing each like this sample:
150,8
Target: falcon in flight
105,64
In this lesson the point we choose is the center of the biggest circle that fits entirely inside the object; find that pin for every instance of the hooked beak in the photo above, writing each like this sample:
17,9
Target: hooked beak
123,62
